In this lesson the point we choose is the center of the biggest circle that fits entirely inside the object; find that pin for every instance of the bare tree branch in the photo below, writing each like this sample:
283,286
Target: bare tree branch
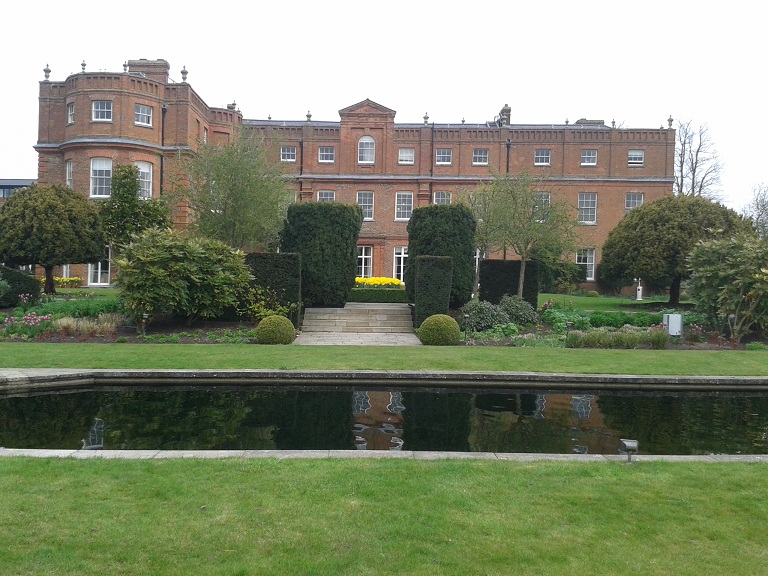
697,166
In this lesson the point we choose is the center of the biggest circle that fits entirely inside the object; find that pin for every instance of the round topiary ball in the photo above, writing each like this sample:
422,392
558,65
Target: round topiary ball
439,330
275,330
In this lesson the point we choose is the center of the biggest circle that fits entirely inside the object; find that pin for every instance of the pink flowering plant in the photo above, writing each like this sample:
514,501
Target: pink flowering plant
25,327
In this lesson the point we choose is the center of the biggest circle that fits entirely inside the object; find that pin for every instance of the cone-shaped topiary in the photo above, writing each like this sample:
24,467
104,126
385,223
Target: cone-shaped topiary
275,330
439,330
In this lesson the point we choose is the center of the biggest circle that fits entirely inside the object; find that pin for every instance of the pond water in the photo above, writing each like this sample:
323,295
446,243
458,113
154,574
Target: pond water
224,419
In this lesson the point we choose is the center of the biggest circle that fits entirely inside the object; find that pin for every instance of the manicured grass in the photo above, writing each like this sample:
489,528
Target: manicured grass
388,517
604,303
454,358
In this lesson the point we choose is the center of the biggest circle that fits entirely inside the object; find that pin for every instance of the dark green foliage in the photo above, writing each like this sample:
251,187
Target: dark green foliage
386,295
325,234
433,285
653,241
443,230
500,277
50,226
19,283
439,330
482,315
87,308
124,213
619,319
518,310
281,273
275,330
562,277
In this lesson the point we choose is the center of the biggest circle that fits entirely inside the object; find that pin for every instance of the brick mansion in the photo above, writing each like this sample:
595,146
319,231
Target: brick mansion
93,120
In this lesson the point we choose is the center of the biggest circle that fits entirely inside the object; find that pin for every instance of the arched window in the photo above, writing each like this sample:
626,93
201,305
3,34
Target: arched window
366,150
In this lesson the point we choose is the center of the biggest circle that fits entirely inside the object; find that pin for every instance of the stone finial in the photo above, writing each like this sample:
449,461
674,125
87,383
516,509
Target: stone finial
83,66
309,116
567,121
670,120
426,117
232,106
184,73
125,67
462,120
613,123
47,72
269,117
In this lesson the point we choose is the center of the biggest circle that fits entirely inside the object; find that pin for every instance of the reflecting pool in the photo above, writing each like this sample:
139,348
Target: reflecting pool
559,422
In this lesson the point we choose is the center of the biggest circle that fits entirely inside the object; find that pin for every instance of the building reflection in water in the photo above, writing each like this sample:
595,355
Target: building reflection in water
378,420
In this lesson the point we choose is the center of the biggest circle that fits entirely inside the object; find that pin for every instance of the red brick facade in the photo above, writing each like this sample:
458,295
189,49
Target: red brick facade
137,116
428,161
141,116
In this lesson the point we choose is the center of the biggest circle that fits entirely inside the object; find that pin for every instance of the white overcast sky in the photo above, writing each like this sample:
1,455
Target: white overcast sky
636,63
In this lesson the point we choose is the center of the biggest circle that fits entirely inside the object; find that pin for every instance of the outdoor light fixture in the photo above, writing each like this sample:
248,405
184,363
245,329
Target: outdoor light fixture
630,447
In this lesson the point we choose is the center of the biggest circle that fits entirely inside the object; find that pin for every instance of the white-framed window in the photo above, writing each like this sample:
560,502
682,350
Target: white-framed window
543,200
589,157
70,172
102,111
480,157
145,180
66,271
587,207
442,198
287,153
636,157
443,155
101,177
98,272
403,205
326,196
326,154
205,135
586,257
364,261
142,115
542,158
365,201
399,262
633,200
71,113
366,150
406,156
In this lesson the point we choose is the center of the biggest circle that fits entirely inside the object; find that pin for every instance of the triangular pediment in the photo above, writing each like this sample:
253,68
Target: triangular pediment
367,108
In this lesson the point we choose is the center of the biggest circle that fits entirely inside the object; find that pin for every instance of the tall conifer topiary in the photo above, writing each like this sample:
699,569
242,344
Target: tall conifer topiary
325,234
444,230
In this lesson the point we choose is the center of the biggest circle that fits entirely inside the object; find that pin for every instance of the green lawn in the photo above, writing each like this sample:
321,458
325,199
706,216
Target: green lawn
459,358
369,517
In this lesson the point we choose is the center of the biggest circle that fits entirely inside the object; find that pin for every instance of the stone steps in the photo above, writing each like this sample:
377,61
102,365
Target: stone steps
359,317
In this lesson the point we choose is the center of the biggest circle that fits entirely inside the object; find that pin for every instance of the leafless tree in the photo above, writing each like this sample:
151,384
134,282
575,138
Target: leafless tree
697,167
757,209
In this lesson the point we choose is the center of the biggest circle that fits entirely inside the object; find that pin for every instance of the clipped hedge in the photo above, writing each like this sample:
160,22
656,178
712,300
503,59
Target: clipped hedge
280,273
325,234
275,330
443,230
383,295
500,277
19,283
439,330
433,286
